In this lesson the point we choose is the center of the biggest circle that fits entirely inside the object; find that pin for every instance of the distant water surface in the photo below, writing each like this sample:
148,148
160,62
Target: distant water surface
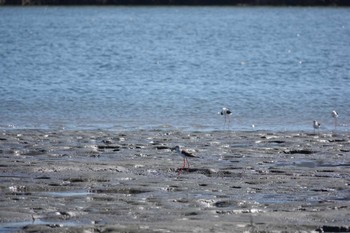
174,67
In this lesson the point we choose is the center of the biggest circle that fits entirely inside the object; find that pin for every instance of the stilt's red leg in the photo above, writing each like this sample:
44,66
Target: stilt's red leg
188,165
182,167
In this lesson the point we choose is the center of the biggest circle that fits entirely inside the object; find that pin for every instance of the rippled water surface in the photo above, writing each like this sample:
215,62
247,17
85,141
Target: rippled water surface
156,67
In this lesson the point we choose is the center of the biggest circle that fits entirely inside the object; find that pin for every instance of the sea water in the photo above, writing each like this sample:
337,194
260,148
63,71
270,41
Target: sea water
127,68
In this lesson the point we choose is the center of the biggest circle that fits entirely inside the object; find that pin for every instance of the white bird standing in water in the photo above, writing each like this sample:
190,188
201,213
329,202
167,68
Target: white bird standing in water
335,116
316,125
184,154
226,113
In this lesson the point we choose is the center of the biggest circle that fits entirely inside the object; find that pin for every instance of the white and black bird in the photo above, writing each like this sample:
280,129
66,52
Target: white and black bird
335,116
226,113
185,154
316,125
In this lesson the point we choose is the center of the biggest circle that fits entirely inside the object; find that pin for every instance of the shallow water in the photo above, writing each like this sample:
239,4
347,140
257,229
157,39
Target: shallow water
174,67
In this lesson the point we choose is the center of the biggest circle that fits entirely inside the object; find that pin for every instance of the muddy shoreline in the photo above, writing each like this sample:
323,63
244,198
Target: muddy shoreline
104,181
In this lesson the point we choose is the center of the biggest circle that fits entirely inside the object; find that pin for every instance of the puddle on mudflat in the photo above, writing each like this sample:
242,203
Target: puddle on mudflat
67,193
306,163
310,164
276,198
15,226
299,163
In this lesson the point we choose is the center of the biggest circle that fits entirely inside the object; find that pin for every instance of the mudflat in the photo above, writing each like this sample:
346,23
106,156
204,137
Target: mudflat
105,181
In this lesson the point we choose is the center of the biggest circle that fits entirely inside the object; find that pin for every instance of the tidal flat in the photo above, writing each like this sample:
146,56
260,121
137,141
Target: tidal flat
107,181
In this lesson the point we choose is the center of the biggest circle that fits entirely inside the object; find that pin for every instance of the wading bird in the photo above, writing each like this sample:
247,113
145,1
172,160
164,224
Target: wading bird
226,113
316,125
185,155
335,116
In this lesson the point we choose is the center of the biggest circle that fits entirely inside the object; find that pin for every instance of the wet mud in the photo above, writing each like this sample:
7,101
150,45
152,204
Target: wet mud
104,181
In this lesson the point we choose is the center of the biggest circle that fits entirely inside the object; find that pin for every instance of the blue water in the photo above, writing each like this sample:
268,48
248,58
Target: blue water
174,67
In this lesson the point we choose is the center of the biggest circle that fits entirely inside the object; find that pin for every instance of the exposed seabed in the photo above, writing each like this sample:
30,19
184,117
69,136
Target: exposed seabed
104,181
